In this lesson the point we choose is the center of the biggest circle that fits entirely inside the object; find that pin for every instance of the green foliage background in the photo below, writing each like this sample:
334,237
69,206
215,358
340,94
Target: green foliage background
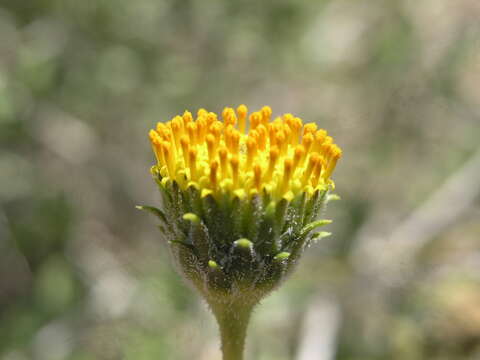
83,274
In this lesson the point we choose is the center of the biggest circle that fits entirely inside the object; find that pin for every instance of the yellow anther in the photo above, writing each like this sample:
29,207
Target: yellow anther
242,111
229,117
272,160
328,140
201,129
213,173
192,163
235,141
299,156
255,119
216,129
312,162
266,114
187,118
278,126
228,137
192,133
298,123
262,137
287,118
317,171
296,126
225,112
288,134
326,146
153,135
179,121
202,112
320,136
161,128
287,174
335,153
185,144
177,131
156,142
309,128
169,158
211,147
307,141
281,143
223,154
234,162
257,176
211,118
272,135
251,152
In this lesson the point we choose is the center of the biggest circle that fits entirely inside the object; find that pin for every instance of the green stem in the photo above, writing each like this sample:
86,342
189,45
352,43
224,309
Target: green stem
232,321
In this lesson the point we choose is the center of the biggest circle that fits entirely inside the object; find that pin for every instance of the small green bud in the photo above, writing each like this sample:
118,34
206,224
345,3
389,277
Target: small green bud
212,265
243,243
282,256
191,217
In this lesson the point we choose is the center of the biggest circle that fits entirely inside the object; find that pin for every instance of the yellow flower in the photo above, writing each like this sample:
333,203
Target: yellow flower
244,154
241,199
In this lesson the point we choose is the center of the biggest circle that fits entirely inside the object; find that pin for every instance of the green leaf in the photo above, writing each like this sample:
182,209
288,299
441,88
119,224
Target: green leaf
320,235
313,225
153,210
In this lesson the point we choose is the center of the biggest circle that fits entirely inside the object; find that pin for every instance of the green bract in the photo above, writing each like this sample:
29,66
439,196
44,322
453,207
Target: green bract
230,248
235,251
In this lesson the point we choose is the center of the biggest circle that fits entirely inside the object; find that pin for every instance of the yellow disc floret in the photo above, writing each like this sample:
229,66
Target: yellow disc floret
281,158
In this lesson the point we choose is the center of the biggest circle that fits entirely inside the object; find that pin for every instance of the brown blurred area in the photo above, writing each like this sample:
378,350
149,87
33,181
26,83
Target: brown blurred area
84,275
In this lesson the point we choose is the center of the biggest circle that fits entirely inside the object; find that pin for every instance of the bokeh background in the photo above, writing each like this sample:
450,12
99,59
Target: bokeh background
84,275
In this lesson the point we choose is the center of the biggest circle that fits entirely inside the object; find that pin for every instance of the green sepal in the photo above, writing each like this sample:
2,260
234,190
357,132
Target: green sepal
198,236
313,206
266,244
187,261
237,217
295,213
251,221
217,280
280,212
215,221
176,206
243,260
309,206
194,201
275,272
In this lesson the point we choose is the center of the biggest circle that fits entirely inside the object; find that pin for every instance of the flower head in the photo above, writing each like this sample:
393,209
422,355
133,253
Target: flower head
279,158
241,197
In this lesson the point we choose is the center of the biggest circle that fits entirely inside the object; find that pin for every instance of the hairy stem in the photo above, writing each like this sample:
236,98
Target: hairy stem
232,318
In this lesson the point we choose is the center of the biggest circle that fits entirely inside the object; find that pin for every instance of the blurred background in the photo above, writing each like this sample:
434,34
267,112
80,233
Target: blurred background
84,275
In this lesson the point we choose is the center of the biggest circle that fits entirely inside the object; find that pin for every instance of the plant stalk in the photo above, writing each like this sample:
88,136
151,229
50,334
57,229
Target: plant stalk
232,319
